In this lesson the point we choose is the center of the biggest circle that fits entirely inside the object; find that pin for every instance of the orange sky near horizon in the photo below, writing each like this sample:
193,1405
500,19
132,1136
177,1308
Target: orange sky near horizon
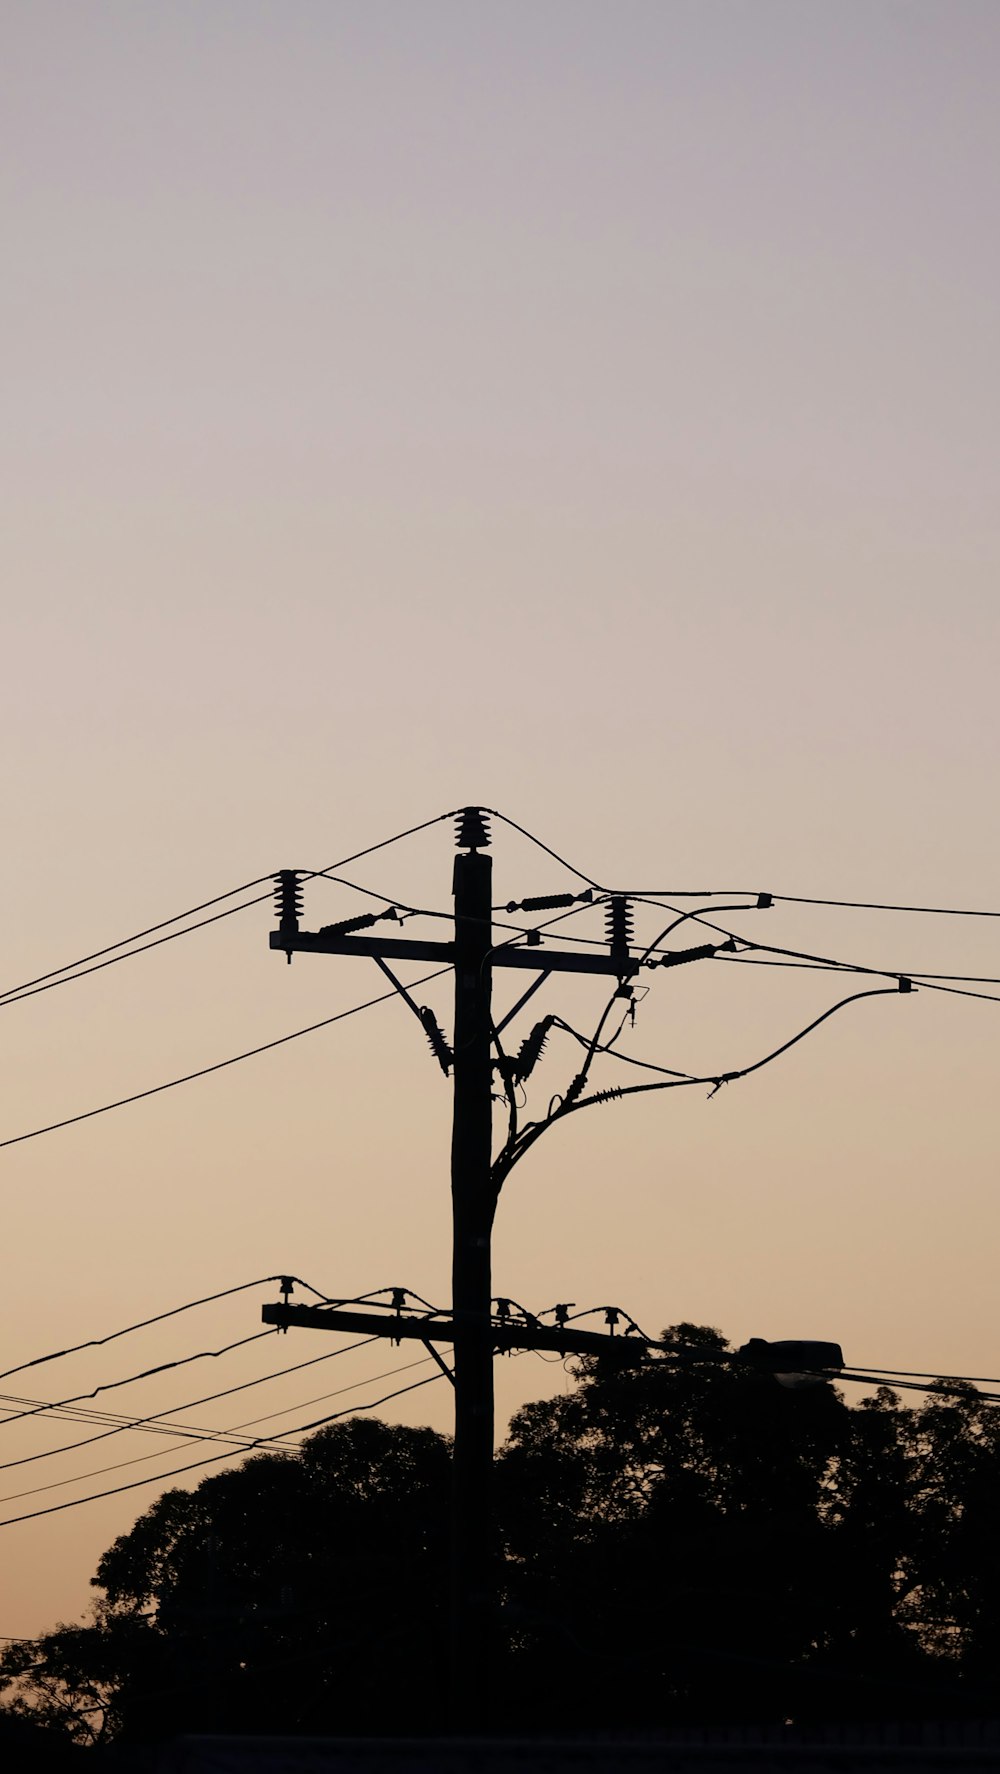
587,411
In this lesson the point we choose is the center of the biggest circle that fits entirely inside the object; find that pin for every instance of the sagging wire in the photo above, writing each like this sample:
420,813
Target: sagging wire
262,1441
219,1065
119,1425
225,1293
567,1106
47,981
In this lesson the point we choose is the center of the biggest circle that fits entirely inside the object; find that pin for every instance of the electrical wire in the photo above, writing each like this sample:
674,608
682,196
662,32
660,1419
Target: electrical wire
626,1058
927,1374
933,982
146,1373
534,1130
864,905
192,1433
212,1459
219,1066
595,1045
170,1433
121,1424
700,917
861,905
495,811
224,1293
67,978
940,1388
106,956
747,960
927,981
28,988
25,988
305,1404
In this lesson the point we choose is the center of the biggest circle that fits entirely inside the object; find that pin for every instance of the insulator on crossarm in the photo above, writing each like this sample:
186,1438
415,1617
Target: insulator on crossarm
551,902
288,900
472,829
288,903
619,924
435,1036
364,922
346,925
531,1049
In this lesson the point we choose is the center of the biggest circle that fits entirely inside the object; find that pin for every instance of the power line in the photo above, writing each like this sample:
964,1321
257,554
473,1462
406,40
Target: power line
534,1129
18,996
146,1373
71,1408
938,911
864,905
170,1432
28,988
941,1388
219,1066
626,1058
985,979
928,981
120,1424
13,992
106,957
212,1459
933,983
927,1374
224,1293
495,811
191,1433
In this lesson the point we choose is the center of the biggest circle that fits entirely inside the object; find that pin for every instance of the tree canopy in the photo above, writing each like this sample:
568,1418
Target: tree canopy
680,1540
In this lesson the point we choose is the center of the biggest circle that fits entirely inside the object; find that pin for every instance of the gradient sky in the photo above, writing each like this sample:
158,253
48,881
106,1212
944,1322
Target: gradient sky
587,410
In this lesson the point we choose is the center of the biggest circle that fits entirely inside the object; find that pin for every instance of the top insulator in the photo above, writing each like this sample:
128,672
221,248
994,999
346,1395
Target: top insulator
472,830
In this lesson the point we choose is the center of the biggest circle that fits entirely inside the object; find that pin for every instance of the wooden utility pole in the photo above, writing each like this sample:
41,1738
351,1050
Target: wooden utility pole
475,1182
473,1204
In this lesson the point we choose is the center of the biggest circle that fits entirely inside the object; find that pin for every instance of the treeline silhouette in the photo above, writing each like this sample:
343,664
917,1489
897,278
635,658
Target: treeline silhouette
676,1543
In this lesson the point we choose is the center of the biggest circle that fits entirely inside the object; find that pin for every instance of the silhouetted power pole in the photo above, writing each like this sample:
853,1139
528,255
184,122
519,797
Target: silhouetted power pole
474,1191
472,1205
473,1330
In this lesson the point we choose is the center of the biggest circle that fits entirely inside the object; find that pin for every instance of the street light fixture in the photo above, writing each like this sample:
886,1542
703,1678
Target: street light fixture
795,1364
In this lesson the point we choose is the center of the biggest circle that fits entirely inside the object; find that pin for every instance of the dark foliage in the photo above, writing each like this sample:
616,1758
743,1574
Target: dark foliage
680,1541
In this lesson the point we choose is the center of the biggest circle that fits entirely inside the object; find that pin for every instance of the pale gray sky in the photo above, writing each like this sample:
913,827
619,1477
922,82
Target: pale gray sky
585,409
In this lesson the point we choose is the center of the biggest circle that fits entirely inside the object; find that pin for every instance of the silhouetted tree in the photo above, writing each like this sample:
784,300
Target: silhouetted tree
294,1593
700,1542
677,1540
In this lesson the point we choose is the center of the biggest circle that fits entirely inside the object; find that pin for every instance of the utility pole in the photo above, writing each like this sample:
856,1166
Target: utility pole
474,1331
473,1205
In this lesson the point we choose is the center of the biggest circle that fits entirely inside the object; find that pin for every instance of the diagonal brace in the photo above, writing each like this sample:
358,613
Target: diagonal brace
400,988
442,1364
